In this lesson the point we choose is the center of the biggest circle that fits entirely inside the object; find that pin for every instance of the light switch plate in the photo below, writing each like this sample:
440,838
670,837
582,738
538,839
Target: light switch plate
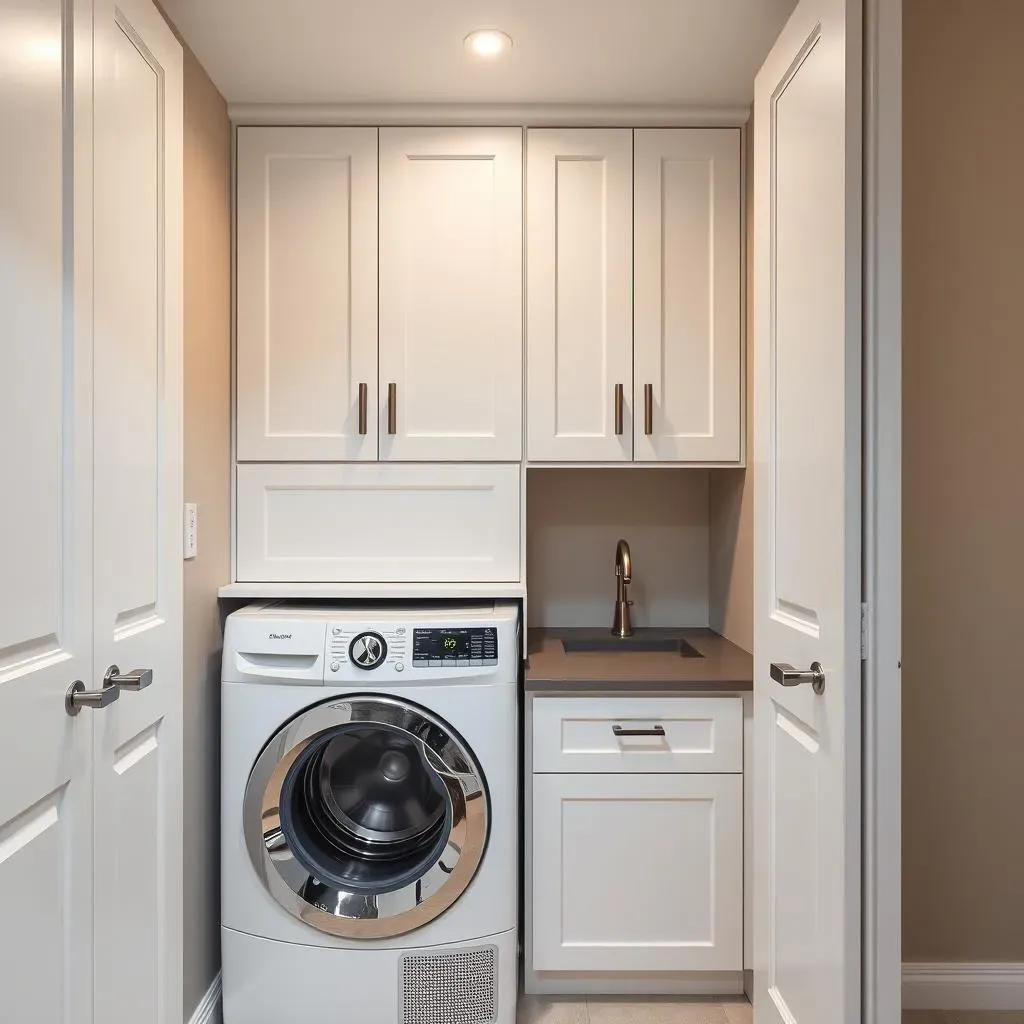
191,538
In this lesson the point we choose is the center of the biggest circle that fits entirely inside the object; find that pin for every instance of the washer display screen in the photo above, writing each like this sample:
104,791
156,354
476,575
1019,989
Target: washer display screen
454,647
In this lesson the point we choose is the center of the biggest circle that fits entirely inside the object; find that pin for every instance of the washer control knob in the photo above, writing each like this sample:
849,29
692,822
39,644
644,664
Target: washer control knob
335,666
368,650
399,667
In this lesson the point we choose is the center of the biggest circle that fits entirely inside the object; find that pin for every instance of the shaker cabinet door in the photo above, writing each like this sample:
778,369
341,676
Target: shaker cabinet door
307,294
687,340
579,294
451,294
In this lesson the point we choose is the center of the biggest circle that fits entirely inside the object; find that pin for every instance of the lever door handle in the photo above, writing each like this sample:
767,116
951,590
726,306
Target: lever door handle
789,676
657,730
137,679
79,697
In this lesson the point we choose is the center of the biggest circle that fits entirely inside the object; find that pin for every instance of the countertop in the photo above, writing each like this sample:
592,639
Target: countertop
724,666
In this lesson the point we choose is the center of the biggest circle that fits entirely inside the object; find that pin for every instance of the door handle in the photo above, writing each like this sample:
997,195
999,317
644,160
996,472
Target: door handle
618,408
137,679
362,408
392,408
79,697
648,409
657,730
789,676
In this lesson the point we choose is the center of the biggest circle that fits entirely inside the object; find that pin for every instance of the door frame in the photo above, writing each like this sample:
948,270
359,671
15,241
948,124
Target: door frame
881,979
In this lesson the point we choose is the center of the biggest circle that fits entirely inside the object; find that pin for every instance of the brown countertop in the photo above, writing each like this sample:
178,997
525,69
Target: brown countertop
723,665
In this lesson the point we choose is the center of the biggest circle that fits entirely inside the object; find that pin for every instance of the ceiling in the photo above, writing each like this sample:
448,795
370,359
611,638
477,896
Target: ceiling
686,52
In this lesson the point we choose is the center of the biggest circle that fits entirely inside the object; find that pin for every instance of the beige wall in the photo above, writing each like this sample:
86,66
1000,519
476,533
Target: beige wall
731,565
207,482
963,479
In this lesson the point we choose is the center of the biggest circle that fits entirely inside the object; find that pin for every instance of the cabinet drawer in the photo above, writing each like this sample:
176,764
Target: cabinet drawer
676,734
637,873
378,524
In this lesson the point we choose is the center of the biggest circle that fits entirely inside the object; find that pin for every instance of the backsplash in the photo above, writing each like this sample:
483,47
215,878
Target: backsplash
575,517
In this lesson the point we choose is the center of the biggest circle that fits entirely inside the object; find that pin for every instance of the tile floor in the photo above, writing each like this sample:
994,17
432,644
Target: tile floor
540,1010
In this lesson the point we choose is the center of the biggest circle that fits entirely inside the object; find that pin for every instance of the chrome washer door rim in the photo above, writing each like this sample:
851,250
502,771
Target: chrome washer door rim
349,912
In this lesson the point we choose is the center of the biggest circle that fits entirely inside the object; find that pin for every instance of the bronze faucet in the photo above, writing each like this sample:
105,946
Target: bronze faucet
621,624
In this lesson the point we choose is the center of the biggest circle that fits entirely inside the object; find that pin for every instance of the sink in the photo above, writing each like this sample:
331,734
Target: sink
631,645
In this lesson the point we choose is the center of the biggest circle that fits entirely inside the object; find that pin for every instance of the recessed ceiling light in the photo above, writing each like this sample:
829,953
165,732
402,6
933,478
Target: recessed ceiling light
488,42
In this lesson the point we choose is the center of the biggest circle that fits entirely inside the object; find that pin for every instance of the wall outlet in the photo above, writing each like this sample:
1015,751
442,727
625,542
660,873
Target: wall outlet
191,529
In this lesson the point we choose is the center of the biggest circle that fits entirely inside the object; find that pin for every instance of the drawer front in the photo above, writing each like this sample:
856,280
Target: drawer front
637,873
625,734
378,523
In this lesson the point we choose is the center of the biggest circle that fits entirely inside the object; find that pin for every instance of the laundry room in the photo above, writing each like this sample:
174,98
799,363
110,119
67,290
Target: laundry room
445,342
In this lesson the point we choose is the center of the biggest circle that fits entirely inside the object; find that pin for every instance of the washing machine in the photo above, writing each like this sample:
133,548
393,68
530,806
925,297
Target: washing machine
370,814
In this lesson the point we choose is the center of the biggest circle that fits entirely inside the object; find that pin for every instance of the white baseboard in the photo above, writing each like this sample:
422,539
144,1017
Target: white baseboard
963,986
209,1009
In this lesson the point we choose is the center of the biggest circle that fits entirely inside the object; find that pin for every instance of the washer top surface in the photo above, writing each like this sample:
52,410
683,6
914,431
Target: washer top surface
384,642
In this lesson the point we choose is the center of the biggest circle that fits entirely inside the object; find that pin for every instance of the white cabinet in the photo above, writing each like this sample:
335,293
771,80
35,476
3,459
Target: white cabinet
307,294
579,264
634,278
451,281
687,280
637,872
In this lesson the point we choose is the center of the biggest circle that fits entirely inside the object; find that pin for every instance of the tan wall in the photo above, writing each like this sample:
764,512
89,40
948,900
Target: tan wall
207,482
963,479
731,566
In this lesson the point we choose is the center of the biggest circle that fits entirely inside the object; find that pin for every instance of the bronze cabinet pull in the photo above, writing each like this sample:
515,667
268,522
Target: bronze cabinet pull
362,408
618,408
392,408
648,409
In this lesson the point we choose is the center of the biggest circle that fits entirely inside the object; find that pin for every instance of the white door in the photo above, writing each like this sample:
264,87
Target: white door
579,294
451,294
307,294
687,344
807,435
137,472
637,872
46,557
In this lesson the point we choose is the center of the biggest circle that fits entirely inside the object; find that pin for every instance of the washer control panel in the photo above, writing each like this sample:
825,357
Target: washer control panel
364,649
455,647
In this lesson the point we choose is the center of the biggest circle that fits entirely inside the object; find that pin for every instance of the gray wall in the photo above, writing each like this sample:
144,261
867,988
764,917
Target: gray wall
963,480
207,482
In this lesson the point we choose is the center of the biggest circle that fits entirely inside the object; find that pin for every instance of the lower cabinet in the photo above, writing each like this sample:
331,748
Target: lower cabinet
635,870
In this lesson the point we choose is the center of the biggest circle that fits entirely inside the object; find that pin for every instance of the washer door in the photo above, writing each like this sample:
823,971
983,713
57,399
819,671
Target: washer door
366,817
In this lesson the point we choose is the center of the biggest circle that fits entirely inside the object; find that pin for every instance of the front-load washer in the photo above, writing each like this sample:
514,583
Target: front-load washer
369,814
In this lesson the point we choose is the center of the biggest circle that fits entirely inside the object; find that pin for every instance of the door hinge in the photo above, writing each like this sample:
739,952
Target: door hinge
863,631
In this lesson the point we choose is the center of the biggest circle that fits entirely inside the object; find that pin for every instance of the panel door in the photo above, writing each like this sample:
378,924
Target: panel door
46,557
307,293
687,340
138,592
637,872
807,532
451,294
579,294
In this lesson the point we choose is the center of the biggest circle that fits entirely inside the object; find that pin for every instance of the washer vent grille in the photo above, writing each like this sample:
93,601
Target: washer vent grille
449,988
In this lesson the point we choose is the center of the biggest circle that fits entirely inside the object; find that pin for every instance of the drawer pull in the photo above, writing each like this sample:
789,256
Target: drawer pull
657,730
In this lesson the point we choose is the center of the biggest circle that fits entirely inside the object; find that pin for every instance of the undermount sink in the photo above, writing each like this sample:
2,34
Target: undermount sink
630,645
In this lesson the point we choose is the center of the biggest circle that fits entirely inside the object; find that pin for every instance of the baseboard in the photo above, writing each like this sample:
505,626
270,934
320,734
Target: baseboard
963,986
209,1009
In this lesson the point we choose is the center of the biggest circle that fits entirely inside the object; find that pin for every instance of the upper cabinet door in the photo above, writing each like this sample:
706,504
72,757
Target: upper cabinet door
687,338
579,238
451,294
307,294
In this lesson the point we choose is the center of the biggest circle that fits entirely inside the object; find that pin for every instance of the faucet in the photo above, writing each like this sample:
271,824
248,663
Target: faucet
621,625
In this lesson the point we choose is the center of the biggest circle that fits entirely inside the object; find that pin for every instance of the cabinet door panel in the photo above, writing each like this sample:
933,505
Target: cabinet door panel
637,872
451,286
687,339
579,238
307,293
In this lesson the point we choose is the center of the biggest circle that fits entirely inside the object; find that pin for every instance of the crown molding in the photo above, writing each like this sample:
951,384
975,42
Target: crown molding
479,114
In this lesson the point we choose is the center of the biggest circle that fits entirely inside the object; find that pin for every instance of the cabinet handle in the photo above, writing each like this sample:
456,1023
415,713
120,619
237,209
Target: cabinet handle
392,408
648,409
618,408
362,408
657,730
